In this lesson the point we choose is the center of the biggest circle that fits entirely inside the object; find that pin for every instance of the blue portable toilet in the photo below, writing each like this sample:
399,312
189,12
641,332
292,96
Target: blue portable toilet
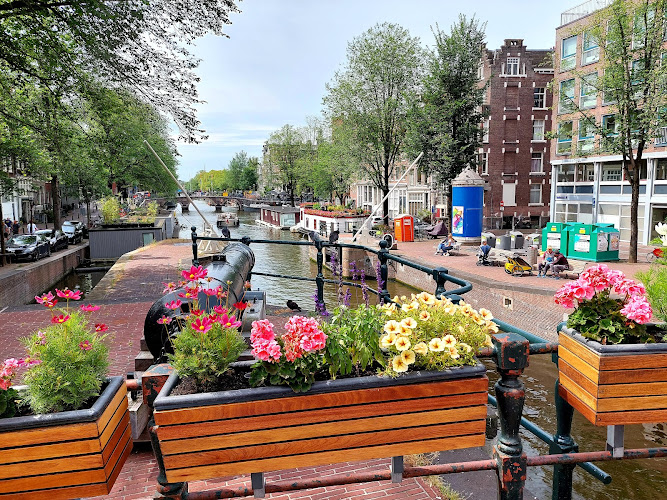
467,205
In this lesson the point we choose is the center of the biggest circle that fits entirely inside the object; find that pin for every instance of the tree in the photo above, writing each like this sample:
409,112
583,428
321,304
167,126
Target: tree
285,152
445,121
371,96
134,44
336,164
630,38
249,176
236,167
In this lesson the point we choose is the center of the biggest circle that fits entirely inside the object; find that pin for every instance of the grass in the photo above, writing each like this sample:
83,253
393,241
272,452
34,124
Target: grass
448,493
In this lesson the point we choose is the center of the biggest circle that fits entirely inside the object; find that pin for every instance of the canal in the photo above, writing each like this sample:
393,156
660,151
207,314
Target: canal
632,479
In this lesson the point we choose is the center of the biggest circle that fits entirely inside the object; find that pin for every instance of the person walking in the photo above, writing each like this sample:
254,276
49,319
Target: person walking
15,227
32,227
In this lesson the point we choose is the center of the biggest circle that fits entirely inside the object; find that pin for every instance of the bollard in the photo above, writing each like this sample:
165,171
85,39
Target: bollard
385,297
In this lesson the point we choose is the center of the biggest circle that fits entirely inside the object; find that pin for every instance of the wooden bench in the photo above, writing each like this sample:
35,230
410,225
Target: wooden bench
576,268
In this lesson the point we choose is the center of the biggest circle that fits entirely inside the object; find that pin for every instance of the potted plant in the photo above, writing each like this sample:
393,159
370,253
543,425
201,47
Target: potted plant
373,382
67,433
611,366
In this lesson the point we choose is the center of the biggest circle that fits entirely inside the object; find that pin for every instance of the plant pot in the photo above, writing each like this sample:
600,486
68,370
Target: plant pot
613,384
69,454
271,428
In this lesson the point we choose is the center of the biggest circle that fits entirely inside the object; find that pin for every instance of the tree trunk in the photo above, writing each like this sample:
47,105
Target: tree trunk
634,208
55,193
448,215
88,210
385,192
2,235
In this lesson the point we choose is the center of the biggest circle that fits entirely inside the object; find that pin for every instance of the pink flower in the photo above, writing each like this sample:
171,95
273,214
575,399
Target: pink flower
59,320
164,320
195,273
45,299
101,327
169,287
210,291
629,287
221,293
202,325
637,309
85,345
42,338
89,308
266,350
173,305
191,292
262,329
581,290
220,310
228,321
28,362
68,294
196,312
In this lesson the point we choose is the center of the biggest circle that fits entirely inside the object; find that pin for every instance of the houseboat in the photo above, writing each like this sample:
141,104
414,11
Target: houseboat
279,217
228,219
325,222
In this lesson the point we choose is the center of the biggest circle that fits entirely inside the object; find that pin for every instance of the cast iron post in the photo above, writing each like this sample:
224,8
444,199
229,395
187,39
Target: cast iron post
166,490
563,443
195,260
439,274
320,276
511,351
384,271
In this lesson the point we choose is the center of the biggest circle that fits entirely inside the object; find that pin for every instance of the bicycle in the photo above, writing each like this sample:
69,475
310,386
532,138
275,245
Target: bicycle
657,253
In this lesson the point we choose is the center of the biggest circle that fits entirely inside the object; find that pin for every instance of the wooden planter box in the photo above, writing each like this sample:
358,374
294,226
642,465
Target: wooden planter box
204,436
69,454
613,384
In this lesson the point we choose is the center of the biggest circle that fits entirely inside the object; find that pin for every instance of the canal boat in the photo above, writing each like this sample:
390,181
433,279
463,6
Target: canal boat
279,217
227,219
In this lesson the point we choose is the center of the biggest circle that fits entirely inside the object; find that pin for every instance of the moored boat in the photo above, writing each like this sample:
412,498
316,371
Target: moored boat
228,219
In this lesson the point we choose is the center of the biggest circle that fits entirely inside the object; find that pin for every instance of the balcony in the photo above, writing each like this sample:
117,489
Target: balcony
582,10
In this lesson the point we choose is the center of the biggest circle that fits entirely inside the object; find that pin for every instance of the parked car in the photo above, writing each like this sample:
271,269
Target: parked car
28,246
56,238
74,231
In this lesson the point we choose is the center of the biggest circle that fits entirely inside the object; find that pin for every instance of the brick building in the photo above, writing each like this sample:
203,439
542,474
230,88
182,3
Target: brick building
514,157
588,183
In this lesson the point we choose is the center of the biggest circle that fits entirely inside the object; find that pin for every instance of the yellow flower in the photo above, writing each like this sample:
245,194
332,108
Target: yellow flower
409,323
450,308
424,316
408,357
426,298
477,318
486,314
488,342
414,304
402,344
492,326
395,299
421,348
449,341
387,340
399,365
404,331
436,344
461,329
453,353
466,347
403,298
392,326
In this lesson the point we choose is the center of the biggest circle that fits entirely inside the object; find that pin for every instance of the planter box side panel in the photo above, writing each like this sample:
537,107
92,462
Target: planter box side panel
66,465
625,389
352,425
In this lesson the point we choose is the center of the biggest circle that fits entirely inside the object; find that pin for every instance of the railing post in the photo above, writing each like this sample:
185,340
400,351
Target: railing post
171,491
385,297
195,260
511,351
439,275
320,275
563,443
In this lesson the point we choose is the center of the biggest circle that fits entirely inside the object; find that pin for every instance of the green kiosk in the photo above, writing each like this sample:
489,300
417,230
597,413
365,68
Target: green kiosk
555,235
595,242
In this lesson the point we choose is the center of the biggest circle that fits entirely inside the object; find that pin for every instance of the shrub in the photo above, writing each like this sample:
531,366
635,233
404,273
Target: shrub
655,281
110,209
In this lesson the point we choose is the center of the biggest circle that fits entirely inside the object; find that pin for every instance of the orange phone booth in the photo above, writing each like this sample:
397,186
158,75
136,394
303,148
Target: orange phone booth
404,228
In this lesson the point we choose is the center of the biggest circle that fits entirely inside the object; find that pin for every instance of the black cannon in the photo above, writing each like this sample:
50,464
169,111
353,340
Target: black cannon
230,269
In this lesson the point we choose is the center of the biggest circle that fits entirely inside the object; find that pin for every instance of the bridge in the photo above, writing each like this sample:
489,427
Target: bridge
219,201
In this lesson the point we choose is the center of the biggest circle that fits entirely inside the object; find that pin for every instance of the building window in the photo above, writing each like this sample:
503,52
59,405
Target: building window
536,162
484,162
586,141
564,138
568,53
588,91
485,131
509,195
609,125
585,172
540,97
512,66
538,130
566,99
535,194
590,52
566,173
661,170
612,172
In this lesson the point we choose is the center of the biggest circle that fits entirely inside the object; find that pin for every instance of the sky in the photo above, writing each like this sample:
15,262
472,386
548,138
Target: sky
274,68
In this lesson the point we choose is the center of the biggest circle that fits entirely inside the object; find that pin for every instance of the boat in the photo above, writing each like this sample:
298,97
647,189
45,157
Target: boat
228,219
279,217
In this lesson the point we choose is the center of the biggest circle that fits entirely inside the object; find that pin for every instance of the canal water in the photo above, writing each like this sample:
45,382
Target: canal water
77,280
632,479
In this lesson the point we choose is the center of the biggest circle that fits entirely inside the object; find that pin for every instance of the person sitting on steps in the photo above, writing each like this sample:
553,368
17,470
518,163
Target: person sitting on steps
547,260
445,246
560,264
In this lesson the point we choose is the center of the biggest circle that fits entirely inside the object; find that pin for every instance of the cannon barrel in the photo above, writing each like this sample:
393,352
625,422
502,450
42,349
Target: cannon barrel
229,269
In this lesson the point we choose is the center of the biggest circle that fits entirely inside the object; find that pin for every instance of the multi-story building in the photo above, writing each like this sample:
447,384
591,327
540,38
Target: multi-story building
514,157
588,185
28,198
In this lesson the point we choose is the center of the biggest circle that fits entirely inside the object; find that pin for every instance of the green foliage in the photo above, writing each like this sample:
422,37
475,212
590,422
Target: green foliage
600,319
655,281
153,209
8,398
69,375
206,356
299,374
353,340
110,209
